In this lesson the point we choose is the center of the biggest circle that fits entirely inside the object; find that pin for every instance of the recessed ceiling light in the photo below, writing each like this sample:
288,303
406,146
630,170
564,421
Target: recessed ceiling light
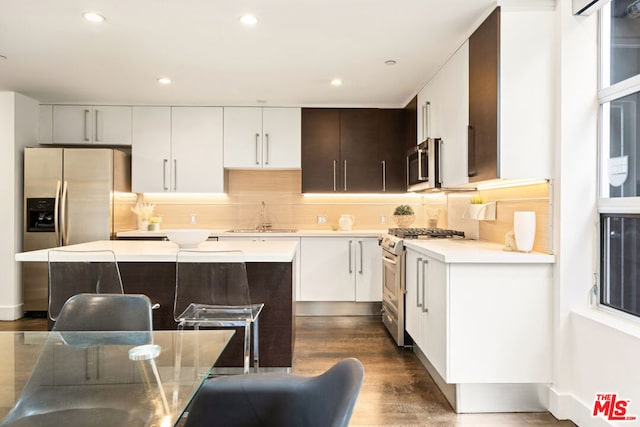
164,80
390,62
93,17
248,20
336,82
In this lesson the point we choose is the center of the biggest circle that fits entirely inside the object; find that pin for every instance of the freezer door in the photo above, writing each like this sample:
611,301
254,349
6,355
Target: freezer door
87,195
42,171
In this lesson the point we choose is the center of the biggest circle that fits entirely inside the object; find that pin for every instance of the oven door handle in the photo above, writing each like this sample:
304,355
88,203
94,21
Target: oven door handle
389,260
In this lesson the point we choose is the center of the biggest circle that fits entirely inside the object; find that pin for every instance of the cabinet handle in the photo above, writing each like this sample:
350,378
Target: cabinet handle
384,175
418,263
87,121
257,147
164,174
345,175
439,168
425,266
427,121
350,267
266,142
361,257
175,175
95,132
471,151
335,188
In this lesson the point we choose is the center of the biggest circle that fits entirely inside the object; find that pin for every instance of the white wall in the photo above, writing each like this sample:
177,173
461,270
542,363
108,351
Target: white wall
591,353
18,128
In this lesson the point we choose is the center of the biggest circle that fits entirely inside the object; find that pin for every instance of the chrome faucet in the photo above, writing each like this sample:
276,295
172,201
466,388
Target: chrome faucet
263,226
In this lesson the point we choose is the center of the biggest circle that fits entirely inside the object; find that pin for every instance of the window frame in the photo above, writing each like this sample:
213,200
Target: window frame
622,206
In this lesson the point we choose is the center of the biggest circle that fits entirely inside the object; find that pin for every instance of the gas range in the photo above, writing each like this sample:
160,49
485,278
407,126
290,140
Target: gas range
392,241
425,233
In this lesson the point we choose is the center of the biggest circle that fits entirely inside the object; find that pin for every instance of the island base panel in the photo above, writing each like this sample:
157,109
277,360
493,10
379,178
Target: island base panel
269,283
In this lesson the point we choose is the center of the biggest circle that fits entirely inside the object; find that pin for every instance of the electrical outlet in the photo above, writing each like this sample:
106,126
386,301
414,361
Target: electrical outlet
322,219
383,219
194,218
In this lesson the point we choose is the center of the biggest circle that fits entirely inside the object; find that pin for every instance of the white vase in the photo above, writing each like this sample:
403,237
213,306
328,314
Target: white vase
524,229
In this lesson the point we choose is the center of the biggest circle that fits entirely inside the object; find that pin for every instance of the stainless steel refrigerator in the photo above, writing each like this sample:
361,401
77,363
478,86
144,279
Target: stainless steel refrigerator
71,195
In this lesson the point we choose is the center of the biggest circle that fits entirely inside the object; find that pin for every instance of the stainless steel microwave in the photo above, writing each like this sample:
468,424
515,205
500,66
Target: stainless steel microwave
423,166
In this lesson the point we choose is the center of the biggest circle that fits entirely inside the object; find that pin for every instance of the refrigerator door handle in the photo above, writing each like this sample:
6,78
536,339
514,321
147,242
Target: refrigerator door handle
56,214
63,215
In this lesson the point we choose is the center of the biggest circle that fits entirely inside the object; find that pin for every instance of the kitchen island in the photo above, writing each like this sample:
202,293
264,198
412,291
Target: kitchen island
148,267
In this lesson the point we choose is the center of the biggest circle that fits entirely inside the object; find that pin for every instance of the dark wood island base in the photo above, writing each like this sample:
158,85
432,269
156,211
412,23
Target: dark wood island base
270,283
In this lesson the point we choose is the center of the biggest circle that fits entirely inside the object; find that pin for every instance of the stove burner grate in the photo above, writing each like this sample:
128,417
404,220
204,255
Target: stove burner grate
415,233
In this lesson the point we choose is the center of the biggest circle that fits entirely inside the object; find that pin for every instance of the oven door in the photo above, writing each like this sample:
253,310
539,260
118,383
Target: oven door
393,295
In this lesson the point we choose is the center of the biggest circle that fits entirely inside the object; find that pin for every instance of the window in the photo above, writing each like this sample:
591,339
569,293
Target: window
619,171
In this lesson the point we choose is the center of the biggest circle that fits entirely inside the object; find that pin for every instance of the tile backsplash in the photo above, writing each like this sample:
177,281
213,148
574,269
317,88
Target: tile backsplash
287,207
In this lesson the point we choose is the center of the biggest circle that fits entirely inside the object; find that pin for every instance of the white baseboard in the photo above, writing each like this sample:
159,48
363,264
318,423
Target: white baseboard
565,406
11,312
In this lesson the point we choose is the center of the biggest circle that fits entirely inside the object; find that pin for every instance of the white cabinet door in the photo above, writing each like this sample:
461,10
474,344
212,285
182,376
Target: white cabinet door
151,150
72,124
282,138
45,124
196,150
433,339
242,137
257,138
327,269
112,125
83,124
368,273
450,116
424,103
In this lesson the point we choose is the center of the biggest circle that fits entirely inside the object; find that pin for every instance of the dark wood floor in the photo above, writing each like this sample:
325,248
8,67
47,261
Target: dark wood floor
397,391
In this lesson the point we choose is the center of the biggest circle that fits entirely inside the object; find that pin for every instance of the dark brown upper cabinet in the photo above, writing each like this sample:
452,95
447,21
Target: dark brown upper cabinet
359,150
484,107
320,150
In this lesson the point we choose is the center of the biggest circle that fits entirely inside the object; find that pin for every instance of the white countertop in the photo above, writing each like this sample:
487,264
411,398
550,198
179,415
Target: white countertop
164,251
474,251
226,233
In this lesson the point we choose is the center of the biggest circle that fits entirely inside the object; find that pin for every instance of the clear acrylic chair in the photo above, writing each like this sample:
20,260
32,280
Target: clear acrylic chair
129,313
212,290
78,272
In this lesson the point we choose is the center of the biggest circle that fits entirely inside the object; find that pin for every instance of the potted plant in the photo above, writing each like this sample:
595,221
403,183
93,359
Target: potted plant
403,215
477,205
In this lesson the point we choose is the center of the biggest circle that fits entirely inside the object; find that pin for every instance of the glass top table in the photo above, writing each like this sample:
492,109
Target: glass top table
103,378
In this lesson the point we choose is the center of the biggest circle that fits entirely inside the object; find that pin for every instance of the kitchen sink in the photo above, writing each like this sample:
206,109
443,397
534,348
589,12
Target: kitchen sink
268,230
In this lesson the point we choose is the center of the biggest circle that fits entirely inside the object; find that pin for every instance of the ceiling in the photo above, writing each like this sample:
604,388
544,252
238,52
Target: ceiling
288,58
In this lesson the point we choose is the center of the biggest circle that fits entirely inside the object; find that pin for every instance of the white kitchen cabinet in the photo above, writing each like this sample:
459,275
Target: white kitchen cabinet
81,124
45,124
256,138
177,149
425,306
480,322
443,112
340,269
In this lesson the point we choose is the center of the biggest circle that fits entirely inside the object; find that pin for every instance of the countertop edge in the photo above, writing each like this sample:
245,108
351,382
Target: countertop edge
225,233
475,252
